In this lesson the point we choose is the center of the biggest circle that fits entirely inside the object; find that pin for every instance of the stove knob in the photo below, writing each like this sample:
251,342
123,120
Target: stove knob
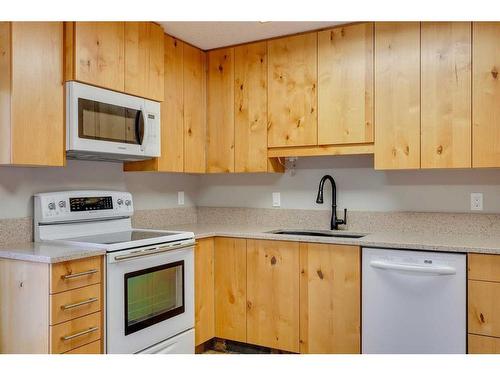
52,206
62,204
128,202
119,201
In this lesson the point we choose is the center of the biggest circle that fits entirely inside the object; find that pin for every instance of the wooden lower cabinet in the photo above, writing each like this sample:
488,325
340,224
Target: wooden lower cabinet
483,311
204,290
330,305
92,348
273,294
231,288
483,344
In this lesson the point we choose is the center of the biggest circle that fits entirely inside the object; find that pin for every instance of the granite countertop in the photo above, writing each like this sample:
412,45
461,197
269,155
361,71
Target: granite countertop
46,252
466,243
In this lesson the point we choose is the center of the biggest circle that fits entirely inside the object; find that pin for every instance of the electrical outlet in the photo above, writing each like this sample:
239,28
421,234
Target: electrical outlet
476,201
276,199
180,198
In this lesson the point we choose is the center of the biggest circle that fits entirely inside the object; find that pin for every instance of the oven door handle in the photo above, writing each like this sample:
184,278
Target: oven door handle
151,251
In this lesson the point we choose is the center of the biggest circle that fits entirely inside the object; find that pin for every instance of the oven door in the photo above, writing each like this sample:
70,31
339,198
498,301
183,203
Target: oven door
104,121
149,296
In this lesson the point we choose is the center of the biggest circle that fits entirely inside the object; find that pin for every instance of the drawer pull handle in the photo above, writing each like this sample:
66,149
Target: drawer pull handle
77,304
78,334
79,274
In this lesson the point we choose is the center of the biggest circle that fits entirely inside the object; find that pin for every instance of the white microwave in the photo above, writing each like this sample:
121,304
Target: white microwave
111,126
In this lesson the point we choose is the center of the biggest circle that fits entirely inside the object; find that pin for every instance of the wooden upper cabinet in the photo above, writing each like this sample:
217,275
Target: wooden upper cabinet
446,94
273,294
194,95
231,288
95,53
250,107
397,95
32,101
172,108
292,92
144,60
220,112
486,94
345,85
330,303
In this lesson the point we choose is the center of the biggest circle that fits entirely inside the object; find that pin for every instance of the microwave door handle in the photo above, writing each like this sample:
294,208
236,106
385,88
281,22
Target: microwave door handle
140,128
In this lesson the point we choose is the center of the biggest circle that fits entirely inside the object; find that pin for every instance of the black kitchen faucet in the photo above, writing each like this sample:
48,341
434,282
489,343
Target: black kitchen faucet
334,221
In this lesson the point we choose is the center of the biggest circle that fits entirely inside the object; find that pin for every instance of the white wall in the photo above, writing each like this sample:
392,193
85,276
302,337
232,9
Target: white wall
150,190
359,187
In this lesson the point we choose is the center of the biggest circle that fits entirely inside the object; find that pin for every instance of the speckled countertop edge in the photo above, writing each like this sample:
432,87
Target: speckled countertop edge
392,240
46,252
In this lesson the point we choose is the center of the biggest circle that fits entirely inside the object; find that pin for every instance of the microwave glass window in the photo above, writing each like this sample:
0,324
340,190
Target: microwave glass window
107,122
153,295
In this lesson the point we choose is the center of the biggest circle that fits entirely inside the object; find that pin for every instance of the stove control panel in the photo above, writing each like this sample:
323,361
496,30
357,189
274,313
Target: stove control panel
82,205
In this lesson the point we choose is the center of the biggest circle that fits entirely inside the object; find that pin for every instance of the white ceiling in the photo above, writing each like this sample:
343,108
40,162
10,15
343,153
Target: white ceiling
209,35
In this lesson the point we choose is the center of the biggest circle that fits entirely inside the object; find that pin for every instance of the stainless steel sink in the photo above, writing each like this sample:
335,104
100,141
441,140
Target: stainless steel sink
316,233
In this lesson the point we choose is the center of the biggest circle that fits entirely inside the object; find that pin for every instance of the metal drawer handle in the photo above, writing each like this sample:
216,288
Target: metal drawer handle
79,274
78,334
76,304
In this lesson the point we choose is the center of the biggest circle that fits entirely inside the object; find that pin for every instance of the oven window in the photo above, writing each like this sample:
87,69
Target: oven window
153,295
106,122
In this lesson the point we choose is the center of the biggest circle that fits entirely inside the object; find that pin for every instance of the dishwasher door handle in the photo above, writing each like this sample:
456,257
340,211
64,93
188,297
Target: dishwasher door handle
414,268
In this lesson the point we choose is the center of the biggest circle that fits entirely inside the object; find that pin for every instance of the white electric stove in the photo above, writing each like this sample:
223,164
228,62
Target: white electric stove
149,273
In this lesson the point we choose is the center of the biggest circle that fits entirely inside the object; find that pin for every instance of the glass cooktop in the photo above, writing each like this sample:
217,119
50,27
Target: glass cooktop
119,237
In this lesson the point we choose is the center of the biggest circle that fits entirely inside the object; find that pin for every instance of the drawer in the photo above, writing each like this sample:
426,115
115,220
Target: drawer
75,274
75,333
92,348
484,267
483,345
484,308
75,303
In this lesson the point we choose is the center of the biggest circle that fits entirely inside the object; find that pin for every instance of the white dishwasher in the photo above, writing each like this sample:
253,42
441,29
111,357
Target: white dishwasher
413,302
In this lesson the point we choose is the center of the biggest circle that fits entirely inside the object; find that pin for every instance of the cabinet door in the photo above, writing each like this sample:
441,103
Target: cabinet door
144,64
397,93
231,288
330,307
172,108
292,79
37,101
483,344
204,290
345,85
250,107
194,110
484,308
446,94
220,115
99,54
486,94
273,294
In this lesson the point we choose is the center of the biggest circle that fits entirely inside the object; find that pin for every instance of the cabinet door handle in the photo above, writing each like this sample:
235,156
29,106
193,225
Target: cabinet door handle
76,304
81,333
79,274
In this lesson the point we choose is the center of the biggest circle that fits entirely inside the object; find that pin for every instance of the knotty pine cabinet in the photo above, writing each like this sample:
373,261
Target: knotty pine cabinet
330,306
446,63
345,84
483,304
204,290
121,56
183,115
32,101
231,288
220,111
292,91
485,94
144,60
397,95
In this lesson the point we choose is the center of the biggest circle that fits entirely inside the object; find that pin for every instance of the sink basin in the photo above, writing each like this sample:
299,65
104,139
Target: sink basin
316,233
